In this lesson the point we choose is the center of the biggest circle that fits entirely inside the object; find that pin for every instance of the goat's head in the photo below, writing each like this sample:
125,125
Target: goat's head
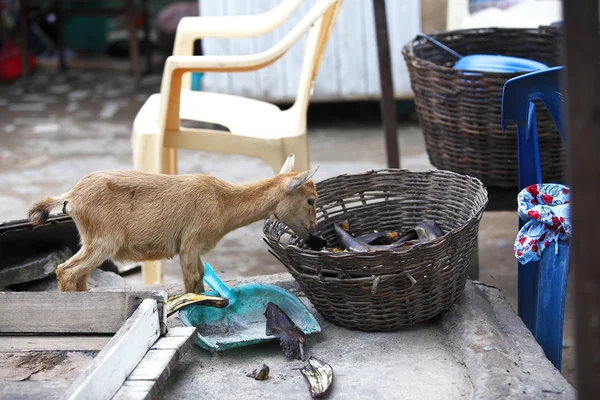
297,206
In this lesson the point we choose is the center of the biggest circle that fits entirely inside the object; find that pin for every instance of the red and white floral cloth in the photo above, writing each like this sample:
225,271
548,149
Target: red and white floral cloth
546,208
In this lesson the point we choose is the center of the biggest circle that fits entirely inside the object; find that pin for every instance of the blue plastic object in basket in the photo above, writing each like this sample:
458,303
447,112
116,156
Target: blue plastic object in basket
498,63
488,62
542,285
242,322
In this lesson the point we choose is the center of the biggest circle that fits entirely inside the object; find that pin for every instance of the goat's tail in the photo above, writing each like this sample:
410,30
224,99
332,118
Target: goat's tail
40,210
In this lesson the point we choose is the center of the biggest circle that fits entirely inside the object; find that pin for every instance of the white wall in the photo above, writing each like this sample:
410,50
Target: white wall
349,69
521,14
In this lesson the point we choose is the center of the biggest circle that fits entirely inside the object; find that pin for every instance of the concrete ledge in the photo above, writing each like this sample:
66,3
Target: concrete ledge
500,353
479,349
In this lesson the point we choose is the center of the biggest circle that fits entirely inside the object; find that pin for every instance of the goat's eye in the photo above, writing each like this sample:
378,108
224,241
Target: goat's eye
310,202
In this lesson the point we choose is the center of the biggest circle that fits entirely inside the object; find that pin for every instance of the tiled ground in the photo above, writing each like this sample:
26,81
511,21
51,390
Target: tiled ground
80,122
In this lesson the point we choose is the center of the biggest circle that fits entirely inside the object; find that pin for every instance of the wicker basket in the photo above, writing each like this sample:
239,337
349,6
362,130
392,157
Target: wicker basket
386,290
460,112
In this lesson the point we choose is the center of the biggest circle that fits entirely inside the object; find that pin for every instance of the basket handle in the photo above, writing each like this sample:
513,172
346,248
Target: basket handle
439,44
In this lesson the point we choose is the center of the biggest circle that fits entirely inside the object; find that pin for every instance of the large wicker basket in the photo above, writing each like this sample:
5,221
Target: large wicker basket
386,290
460,112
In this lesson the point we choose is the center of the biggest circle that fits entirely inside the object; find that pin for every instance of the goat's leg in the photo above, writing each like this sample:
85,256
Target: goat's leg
200,268
82,283
72,275
193,272
66,282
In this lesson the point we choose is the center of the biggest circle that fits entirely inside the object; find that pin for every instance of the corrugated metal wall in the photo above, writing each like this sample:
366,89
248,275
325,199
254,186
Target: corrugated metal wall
349,69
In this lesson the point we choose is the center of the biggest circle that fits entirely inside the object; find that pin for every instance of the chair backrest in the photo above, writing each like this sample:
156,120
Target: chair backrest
318,35
263,23
541,85
316,45
518,108
317,22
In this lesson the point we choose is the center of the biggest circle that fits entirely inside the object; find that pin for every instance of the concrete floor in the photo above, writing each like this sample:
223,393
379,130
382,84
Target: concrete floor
362,363
73,124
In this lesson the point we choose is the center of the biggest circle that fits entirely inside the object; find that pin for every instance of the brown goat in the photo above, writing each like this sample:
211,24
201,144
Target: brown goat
138,216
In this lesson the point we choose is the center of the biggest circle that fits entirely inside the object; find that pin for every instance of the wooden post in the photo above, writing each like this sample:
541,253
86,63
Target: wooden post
24,25
582,54
134,53
388,103
60,37
148,43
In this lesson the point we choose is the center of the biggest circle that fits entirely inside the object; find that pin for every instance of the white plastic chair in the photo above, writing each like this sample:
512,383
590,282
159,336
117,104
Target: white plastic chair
257,128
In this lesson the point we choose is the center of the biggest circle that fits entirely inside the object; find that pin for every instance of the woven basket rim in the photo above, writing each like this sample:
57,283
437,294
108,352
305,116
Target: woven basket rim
408,50
418,247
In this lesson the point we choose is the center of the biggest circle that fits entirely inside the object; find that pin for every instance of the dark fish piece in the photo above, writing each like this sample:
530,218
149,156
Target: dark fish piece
315,242
319,376
379,238
410,235
349,242
373,238
291,338
425,232
262,375
428,231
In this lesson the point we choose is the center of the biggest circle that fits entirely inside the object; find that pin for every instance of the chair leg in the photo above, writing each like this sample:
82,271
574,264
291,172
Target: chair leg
133,42
152,272
299,146
554,273
146,17
529,173
169,165
143,147
527,294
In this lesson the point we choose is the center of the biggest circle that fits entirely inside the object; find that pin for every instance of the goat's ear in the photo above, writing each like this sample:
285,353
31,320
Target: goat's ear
301,178
288,165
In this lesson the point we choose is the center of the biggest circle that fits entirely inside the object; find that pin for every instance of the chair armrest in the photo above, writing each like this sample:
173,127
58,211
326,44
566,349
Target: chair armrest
191,29
177,66
250,62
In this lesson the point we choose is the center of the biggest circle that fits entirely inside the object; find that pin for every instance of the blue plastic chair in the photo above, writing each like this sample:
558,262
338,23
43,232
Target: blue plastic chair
542,285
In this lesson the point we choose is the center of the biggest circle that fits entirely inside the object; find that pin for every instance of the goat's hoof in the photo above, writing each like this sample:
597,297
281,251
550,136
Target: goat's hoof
64,287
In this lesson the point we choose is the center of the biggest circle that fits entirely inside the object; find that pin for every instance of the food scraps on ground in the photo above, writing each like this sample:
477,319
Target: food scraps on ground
319,376
178,301
261,375
291,338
